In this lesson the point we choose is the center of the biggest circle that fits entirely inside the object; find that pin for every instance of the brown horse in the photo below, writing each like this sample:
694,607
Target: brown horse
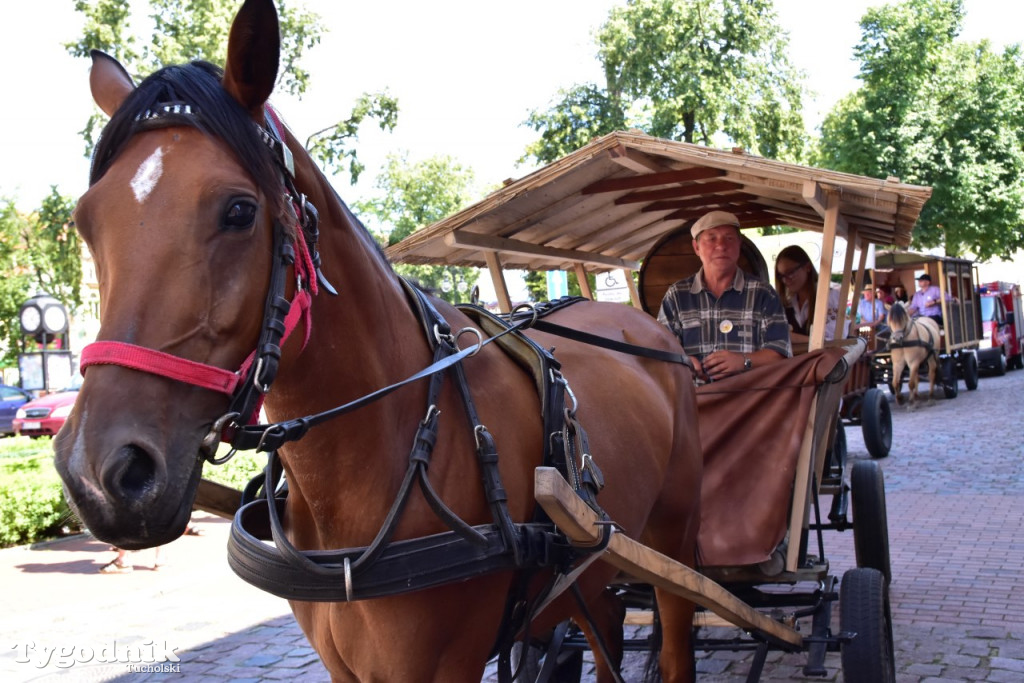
189,189
913,342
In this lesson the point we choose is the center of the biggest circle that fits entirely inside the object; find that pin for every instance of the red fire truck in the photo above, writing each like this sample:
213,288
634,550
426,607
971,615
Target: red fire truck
1002,321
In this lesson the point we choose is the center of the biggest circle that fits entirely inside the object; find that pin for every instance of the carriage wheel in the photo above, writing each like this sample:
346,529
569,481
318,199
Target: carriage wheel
870,520
1000,368
864,610
971,372
947,368
876,423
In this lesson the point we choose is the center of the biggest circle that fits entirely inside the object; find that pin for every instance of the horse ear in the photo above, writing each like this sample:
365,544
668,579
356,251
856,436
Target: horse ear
254,51
109,81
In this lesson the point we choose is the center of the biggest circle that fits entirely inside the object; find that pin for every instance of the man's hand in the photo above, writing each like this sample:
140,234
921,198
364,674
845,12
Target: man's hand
721,364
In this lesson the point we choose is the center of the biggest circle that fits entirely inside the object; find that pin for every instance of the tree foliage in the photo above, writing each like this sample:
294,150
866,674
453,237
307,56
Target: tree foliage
412,196
935,111
704,71
39,252
198,29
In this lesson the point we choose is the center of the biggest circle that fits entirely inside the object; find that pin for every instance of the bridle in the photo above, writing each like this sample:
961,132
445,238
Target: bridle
294,250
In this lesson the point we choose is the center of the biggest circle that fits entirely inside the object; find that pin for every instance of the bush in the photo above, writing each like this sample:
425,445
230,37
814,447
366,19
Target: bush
32,504
236,472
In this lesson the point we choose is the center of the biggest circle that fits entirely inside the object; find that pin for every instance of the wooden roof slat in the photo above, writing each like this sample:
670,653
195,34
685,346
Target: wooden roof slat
674,192
652,180
705,202
491,243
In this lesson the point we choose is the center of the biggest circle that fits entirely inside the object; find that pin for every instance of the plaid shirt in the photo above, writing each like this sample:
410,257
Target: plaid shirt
747,317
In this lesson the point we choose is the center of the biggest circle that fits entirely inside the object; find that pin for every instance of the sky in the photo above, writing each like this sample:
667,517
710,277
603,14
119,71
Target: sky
466,74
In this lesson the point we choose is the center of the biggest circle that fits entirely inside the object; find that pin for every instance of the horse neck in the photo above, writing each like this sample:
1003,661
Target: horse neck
368,330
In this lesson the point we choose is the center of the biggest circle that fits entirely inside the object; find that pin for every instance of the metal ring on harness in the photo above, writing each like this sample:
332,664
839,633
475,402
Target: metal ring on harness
442,337
213,438
529,307
479,339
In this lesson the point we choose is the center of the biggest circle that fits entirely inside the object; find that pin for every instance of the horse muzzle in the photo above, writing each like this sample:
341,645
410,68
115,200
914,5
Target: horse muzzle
126,492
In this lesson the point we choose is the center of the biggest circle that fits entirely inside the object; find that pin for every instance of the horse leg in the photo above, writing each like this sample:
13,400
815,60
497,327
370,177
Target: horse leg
912,386
898,364
677,661
603,620
933,371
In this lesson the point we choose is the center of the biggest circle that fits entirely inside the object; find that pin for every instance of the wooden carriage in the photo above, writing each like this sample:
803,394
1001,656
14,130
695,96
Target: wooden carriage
625,201
961,333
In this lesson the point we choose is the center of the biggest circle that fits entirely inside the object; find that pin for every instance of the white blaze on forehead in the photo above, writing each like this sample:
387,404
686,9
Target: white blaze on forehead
148,174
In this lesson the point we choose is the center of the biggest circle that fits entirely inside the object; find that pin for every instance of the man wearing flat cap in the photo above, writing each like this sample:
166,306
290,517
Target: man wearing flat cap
728,321
926,300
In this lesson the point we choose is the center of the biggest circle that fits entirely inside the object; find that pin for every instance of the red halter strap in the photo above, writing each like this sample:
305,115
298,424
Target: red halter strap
181,369
159,363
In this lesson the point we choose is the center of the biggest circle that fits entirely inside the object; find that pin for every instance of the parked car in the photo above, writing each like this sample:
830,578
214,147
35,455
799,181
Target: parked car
45,416
11,398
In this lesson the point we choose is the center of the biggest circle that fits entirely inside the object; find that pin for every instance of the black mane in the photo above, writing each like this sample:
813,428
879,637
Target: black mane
205,105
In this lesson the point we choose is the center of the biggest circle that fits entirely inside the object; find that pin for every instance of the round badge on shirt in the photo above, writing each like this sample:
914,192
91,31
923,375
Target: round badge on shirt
725,326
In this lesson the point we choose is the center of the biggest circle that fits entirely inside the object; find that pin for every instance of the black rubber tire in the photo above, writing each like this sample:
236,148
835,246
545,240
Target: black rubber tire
947,372
876,423
864,610
1000,368
870,519
972,373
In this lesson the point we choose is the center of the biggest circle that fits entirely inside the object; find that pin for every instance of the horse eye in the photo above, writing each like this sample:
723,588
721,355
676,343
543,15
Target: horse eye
240,216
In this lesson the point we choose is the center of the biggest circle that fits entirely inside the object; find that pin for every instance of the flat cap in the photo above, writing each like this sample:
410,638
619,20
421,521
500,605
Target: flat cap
714,219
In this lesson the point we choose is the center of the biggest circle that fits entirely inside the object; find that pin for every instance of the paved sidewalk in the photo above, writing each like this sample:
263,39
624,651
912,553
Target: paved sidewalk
955,492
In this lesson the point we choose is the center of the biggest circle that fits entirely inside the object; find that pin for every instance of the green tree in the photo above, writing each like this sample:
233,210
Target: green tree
936,111
38,253
537,284
415,195
198,29
704,71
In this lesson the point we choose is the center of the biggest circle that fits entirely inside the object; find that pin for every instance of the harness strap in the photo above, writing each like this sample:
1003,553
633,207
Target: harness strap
613,344
159,363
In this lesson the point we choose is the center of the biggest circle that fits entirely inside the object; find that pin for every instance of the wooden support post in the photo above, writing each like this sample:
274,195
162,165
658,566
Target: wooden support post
828,247
799,511
844,287
498,278
634,293
579,522
581,275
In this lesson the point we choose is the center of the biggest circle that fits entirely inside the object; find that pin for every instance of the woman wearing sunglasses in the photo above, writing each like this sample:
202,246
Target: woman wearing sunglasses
796,281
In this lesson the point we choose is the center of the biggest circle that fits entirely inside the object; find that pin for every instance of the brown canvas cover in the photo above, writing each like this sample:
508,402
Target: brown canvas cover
751,427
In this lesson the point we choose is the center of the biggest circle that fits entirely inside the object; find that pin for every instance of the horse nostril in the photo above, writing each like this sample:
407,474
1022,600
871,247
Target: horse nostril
135,473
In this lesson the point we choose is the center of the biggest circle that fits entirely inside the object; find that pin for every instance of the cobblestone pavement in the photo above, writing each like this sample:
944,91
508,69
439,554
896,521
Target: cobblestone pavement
954,484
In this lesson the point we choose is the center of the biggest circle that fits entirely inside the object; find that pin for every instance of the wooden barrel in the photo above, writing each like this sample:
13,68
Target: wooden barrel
673,259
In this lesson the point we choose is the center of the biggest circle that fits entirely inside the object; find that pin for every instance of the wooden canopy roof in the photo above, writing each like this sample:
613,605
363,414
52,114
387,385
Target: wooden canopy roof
605,205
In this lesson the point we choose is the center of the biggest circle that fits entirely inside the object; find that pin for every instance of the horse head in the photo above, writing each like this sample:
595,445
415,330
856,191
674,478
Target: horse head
185,196
898,321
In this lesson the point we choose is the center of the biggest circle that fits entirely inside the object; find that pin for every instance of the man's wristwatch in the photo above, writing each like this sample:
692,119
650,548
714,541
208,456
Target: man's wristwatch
747,364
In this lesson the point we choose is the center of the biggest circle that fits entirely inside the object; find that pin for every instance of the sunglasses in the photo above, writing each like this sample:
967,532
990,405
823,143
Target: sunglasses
788,275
